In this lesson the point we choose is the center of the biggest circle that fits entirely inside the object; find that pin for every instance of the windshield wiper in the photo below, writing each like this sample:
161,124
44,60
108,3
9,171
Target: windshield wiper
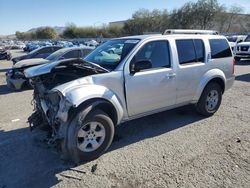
95,65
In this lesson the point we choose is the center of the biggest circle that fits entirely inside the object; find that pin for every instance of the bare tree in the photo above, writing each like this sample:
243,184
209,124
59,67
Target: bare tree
233,12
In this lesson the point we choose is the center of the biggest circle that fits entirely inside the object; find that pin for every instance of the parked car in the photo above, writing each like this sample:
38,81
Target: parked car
15,77
42,52
5,54
91,43
83,100
243,49
235,39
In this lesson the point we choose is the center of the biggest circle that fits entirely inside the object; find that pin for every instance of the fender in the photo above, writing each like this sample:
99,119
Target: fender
81,93
209,75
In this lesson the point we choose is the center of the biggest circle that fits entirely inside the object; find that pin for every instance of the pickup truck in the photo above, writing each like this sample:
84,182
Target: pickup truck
83,100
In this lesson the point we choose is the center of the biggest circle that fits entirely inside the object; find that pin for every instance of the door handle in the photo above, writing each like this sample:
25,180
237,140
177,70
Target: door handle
171,75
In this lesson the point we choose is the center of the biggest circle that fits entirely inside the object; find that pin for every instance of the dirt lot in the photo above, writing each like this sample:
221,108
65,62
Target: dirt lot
177,148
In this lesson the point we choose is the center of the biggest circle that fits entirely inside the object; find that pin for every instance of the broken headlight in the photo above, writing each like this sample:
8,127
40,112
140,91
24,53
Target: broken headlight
18,75
54,98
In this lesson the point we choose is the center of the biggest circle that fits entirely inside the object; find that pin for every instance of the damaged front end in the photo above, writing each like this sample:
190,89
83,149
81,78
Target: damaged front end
51,107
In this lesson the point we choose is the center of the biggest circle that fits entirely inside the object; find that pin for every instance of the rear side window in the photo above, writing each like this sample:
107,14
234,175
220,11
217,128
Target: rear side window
219,48
85,52
199,49
190,51
45,50
55,48
72,54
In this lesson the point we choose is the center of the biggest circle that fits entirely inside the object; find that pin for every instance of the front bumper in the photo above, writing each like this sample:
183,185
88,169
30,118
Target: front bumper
242,55
14,83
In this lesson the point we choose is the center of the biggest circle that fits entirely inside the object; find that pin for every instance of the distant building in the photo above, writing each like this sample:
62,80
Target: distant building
118,23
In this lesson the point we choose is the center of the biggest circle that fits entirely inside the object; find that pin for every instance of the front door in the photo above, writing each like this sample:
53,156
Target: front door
154,88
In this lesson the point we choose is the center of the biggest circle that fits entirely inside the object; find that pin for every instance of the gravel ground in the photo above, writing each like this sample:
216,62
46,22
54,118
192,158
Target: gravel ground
177,148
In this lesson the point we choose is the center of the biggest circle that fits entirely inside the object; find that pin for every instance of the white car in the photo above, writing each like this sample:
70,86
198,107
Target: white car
235,39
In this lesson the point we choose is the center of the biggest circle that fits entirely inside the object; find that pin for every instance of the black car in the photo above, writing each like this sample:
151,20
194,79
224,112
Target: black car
42,52
4,54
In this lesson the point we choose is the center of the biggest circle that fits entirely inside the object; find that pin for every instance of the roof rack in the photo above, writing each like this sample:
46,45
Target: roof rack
190,31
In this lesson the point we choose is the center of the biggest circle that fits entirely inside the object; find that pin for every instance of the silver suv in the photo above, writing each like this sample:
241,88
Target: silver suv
83,100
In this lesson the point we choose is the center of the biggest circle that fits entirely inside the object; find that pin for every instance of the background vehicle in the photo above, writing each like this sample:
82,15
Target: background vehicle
83,100
42,52
235,39
15,77
243,49
5,54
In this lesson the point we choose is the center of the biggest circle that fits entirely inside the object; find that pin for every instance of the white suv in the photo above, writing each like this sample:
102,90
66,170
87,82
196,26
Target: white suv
83,100
242,49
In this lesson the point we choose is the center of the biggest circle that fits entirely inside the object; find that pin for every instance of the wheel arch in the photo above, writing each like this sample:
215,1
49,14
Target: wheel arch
96,103
215,75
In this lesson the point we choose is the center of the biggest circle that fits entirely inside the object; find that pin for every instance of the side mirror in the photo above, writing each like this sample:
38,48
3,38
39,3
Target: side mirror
140,65
61,58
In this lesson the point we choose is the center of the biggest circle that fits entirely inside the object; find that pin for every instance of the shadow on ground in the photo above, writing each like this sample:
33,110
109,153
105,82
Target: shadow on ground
243,77
5,90
26,161
4,70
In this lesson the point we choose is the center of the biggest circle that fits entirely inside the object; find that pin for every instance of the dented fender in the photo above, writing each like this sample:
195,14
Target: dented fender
81,93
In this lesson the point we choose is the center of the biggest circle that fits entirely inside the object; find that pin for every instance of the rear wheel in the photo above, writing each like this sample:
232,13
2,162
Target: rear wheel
89,137
210,99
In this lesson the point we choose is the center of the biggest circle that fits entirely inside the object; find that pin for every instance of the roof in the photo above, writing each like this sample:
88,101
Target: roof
160,36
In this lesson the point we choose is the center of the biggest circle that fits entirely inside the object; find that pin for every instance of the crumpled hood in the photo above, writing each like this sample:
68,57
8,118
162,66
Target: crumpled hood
88,80
244,44
30,62
40,69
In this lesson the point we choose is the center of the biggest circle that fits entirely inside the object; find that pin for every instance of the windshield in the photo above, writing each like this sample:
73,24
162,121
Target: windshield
247,39
111,53
56,55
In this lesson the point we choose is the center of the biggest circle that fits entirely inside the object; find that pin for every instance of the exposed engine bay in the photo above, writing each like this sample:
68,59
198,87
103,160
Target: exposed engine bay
46,102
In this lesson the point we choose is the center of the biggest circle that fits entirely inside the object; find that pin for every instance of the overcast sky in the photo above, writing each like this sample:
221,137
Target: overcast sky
22,15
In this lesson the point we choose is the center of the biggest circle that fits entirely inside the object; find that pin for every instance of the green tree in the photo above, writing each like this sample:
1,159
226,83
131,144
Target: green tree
46,33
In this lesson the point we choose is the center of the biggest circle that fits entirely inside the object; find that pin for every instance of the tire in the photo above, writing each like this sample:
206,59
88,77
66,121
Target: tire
77,150
210,100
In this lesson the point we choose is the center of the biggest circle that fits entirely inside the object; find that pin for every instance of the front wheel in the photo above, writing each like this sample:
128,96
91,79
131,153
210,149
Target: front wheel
210,100
89,137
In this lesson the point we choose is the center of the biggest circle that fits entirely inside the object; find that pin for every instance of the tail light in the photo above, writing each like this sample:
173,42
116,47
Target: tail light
233,65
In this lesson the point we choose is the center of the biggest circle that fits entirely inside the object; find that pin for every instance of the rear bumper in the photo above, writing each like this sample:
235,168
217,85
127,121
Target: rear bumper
229,82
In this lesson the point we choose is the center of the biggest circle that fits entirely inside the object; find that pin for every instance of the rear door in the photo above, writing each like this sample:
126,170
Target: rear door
192,66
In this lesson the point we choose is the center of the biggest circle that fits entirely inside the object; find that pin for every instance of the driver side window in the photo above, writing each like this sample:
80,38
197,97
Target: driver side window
157,52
